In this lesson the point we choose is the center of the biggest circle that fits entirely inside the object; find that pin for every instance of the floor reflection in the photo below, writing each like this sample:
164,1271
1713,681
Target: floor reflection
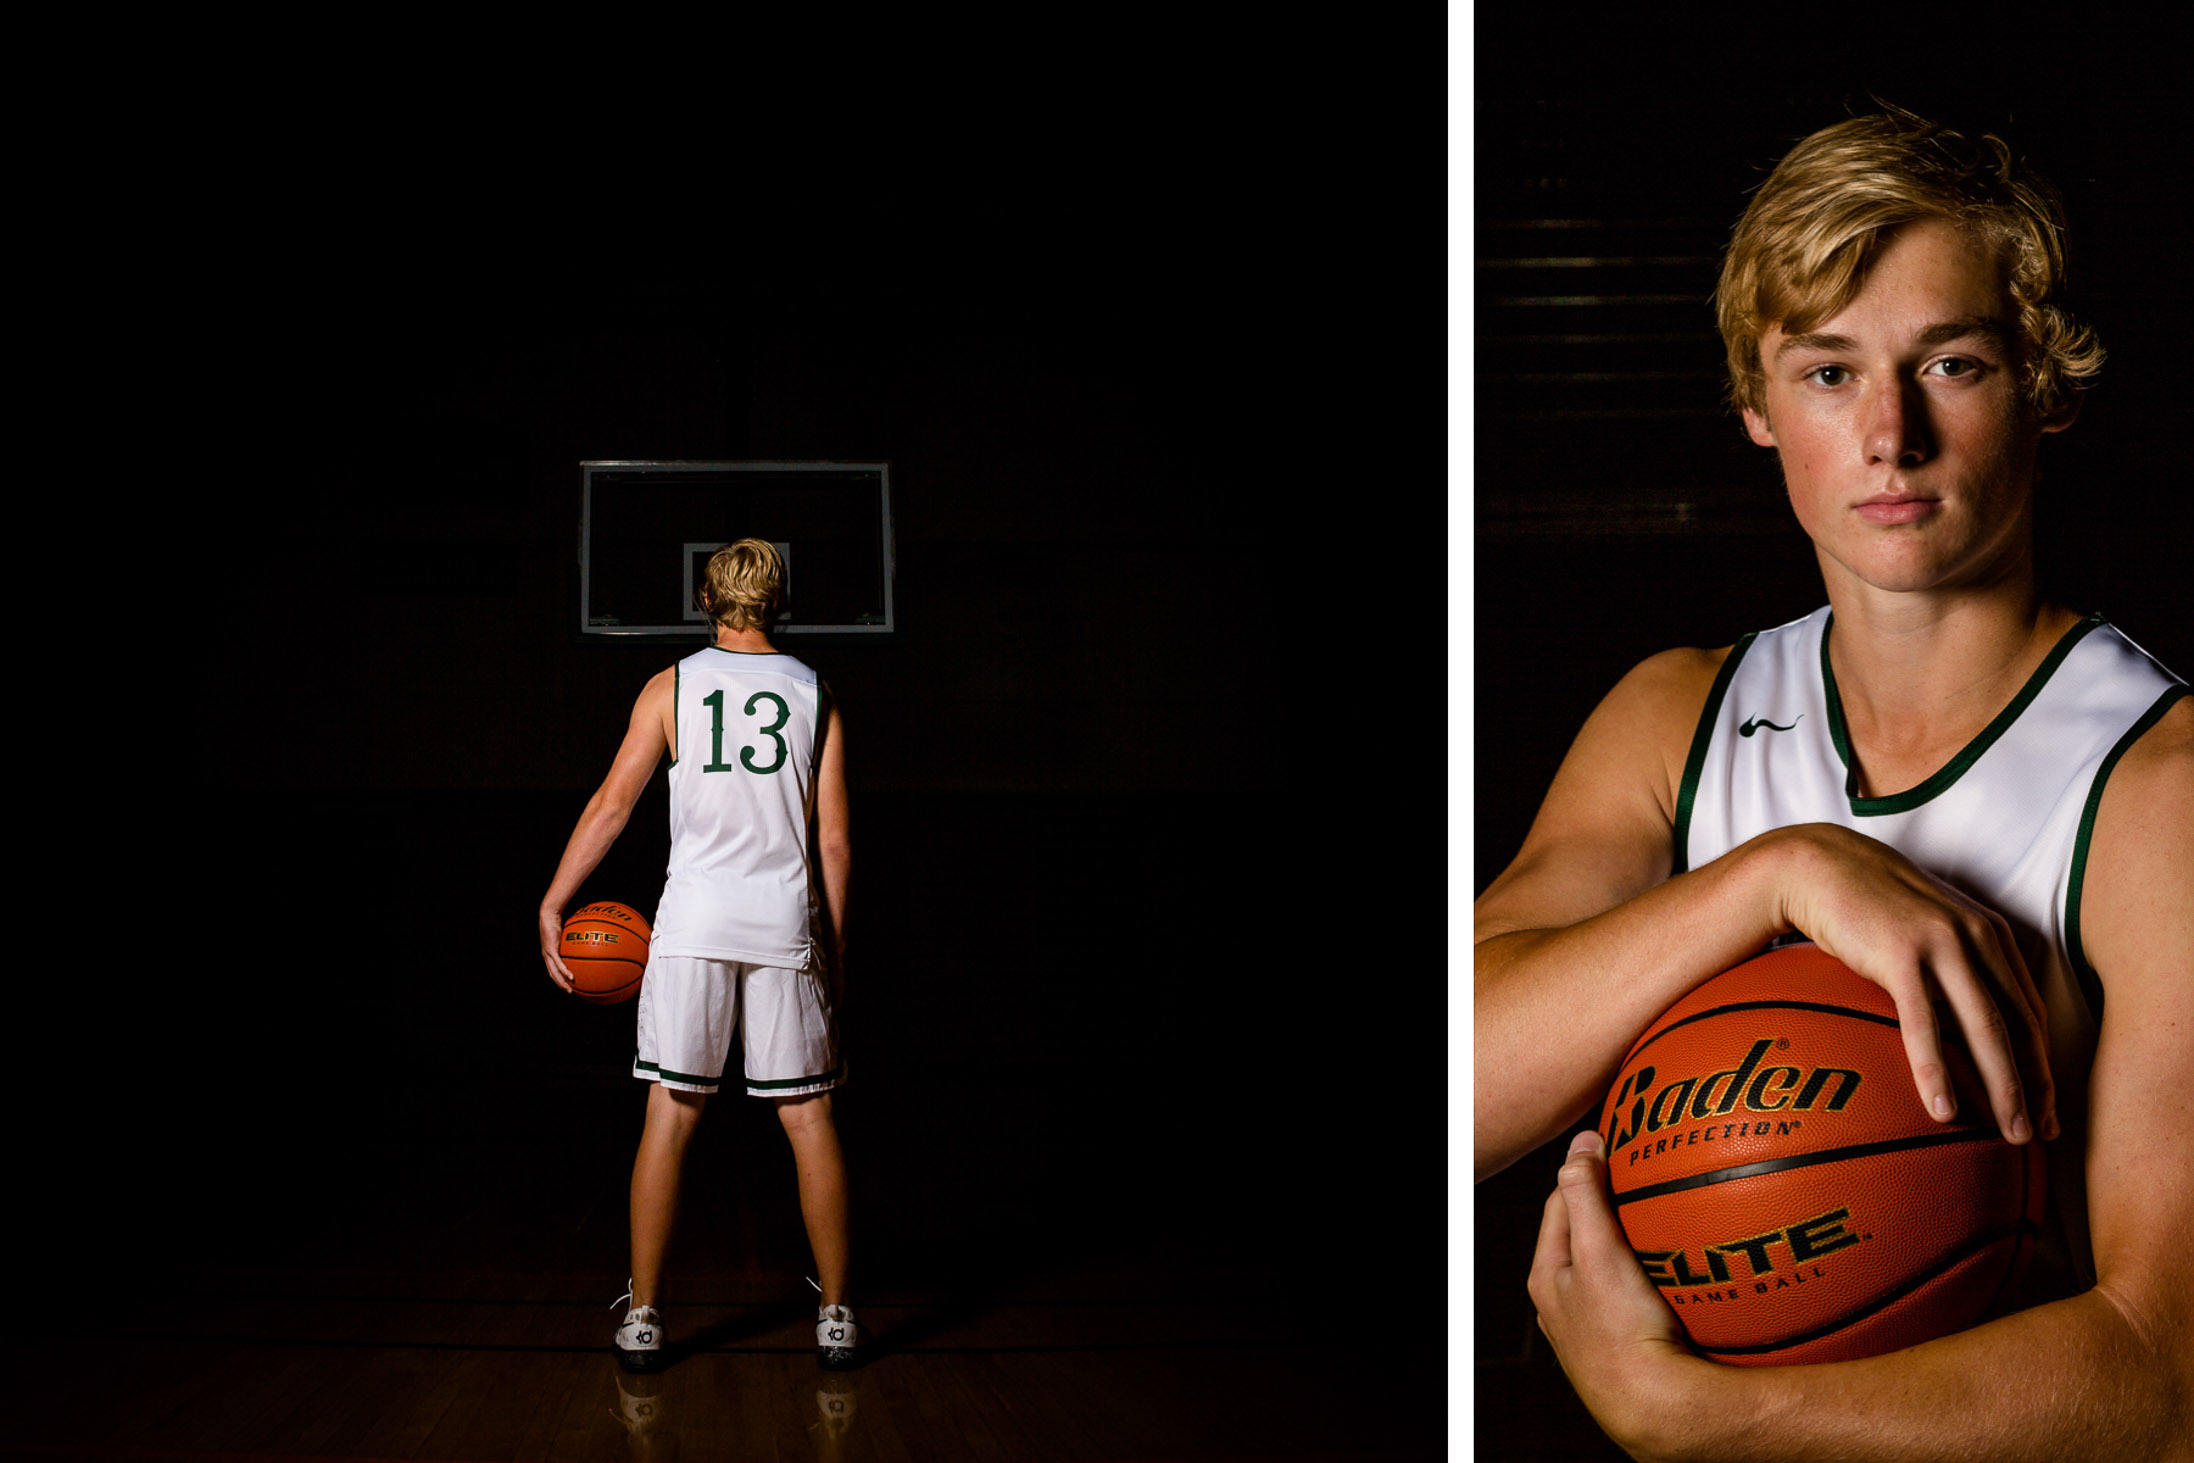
651,1408
837,1396
641,1408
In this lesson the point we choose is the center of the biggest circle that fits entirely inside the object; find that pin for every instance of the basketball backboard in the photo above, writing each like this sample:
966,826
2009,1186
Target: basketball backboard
646,530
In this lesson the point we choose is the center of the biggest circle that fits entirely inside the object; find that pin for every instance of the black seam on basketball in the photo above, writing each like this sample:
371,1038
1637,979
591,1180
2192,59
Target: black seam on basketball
604,960
2011,1261
1821,1006
1950,1261
1804,1160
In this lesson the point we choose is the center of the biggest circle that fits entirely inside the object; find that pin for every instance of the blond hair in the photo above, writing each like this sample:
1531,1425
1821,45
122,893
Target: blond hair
1816,226
744,586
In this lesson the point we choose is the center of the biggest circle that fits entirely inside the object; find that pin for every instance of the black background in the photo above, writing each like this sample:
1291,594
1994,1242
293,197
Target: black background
1149,797
1619,509
1149,327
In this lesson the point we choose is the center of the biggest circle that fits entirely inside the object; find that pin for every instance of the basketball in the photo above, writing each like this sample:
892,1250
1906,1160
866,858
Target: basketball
606,946
1776,1175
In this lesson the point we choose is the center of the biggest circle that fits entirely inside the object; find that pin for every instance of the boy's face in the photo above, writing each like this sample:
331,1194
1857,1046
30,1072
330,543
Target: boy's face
1906,442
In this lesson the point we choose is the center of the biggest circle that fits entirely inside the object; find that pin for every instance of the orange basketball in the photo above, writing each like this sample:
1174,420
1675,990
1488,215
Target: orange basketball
1781,1184
606,946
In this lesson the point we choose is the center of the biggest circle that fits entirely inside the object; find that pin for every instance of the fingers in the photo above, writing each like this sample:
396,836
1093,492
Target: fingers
559,972
1550,1259
1984,984
2033,1033
1552,1252
1595,1238
1929,944
1988,1038
1923,1043
1999,1011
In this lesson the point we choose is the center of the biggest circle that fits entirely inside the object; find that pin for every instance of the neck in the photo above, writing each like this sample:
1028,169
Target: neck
750,642
1920,675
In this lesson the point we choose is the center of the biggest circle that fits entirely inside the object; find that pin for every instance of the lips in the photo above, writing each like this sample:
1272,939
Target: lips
1897,508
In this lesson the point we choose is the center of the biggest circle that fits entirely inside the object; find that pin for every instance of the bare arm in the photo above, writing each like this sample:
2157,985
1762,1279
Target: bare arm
2106,1375
647,737
834,831
1584,939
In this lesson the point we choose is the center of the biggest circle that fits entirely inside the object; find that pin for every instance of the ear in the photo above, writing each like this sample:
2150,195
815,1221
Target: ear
1758,428
2063,416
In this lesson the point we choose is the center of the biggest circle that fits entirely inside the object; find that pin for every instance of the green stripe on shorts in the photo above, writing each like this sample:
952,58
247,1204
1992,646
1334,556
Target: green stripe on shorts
829,1076
669,1076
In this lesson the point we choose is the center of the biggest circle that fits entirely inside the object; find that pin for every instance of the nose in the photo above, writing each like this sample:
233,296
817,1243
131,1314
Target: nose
1897,427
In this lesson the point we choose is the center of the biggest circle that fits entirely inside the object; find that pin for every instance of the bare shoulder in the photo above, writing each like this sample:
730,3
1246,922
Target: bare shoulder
1605,831
2137,898
658,698
1648,720
2148,804
657,708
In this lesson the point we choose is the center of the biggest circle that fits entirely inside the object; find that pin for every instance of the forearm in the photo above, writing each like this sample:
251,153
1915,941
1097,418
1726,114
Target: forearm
837,880
2064,1382
1555,1009
590,841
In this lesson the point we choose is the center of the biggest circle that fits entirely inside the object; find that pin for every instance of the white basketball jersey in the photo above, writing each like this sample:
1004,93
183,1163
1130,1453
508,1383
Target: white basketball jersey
2007,820
742,790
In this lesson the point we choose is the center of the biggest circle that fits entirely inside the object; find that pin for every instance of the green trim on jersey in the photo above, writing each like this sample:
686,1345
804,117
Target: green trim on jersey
1701,738
2091,984
1947,775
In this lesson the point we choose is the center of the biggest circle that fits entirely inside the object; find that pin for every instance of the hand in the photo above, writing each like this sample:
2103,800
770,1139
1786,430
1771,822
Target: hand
1922,941
552,940
1615,1336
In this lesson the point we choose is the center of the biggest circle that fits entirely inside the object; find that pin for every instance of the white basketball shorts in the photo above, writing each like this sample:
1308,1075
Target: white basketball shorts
692,1008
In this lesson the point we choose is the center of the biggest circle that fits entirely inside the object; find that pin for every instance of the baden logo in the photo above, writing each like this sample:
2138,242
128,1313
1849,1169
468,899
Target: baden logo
1759,723
1760,1089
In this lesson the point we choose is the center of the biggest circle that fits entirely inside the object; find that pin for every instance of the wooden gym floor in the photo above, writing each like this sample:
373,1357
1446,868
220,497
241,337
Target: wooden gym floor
342,1219
455,1304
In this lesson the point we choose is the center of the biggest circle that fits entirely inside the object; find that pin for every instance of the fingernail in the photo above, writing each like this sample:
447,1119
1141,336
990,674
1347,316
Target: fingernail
1944,1111
2020,1130
1586,1142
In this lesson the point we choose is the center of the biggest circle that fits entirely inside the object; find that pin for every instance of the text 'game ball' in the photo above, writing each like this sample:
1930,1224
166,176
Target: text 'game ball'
1778,1178
606,946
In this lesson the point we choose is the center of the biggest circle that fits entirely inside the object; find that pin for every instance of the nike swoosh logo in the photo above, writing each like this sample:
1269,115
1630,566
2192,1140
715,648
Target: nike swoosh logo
1758,722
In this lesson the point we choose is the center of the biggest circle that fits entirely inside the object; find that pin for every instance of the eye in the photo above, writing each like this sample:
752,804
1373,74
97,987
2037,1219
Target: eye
1956,368
1828,375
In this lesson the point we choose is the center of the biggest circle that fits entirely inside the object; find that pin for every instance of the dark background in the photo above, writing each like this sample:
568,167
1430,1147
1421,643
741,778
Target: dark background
1150,325
1149,329
1620,510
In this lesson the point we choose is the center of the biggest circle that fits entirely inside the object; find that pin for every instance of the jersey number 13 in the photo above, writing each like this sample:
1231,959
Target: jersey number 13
715,703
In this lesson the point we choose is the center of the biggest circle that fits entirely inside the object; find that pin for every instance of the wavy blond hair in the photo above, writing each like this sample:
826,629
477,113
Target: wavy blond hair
1816,226
744,586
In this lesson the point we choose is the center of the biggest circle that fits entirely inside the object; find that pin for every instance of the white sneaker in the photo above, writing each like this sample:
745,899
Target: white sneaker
639,1343
837,1338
